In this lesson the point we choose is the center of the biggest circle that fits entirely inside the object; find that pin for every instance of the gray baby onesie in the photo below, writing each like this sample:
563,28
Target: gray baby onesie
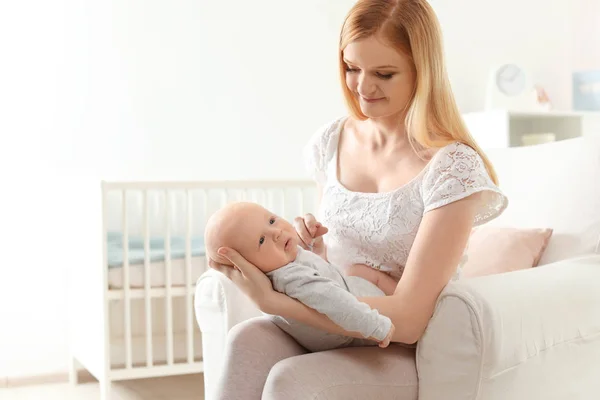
321,286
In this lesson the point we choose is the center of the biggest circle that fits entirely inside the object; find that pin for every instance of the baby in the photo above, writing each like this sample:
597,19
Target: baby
271,244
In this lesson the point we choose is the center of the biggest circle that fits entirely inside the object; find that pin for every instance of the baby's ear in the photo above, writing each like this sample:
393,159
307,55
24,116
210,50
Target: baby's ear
221,260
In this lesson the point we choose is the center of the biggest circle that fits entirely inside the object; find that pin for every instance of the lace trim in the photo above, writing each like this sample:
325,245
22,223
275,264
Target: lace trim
379,229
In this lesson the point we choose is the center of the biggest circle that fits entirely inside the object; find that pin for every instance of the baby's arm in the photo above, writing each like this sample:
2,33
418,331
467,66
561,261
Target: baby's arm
382,280
330,298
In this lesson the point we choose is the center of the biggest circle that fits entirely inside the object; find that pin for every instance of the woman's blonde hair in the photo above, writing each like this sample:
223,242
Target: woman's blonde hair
411,27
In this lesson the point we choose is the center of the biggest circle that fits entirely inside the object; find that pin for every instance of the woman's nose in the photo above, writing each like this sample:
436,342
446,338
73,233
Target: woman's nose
365,85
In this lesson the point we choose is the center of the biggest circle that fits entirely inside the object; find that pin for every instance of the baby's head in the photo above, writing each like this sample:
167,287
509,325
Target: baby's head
261,237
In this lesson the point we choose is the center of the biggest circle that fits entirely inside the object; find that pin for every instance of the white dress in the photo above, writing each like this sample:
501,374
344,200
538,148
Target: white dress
378,229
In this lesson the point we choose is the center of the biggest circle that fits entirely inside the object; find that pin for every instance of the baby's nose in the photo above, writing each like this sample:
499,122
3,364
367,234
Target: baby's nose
276,234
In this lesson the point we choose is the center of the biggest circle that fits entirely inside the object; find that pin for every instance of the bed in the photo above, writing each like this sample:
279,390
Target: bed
157,270
133,316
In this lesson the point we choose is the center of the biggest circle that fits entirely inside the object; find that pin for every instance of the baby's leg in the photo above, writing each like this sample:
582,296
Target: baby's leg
383,281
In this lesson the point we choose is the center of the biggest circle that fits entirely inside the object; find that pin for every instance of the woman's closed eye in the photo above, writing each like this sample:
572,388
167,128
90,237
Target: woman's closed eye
384,76
379,75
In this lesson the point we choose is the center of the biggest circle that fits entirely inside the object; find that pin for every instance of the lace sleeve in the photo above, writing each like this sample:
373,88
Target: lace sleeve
319,150
457,171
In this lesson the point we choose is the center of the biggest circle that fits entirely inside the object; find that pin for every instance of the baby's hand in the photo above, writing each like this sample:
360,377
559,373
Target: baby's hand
386,341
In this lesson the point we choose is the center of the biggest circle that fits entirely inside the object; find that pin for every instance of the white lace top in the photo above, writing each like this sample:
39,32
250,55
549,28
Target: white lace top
378,229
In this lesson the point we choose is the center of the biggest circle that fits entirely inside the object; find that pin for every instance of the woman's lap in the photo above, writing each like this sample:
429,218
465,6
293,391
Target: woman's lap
349,373
264,362
252,348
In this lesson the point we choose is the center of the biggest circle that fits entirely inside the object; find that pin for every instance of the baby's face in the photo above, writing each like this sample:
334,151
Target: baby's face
261,237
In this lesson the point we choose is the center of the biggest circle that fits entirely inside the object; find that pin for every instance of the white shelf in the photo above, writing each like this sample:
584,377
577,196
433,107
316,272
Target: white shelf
544,114
500,128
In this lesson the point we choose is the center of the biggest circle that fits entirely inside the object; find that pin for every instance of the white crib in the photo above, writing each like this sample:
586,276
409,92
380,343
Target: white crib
132,311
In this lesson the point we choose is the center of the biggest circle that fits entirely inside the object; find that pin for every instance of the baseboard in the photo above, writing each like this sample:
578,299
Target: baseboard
29,380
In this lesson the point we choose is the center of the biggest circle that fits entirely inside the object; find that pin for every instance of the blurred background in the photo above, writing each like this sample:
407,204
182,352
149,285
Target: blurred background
198,90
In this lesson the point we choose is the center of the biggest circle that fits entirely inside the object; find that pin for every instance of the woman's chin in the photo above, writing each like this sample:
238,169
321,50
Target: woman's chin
378,113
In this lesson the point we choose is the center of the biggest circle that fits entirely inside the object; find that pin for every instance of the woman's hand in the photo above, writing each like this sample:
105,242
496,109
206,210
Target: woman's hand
247,277
311,234
386,341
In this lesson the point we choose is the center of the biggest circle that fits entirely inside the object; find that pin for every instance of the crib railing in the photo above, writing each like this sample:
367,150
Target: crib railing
168,210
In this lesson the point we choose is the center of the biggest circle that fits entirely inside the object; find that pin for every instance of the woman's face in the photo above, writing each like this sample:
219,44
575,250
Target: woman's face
381,78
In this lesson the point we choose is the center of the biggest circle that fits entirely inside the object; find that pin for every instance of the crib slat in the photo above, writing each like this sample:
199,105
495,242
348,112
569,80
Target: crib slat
188,278
283,204
147,280
269,199
168,298
265,198
206,216
224,197
301,202
127,299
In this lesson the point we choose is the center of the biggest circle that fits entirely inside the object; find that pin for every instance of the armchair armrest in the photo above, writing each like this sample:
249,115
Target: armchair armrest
521,335
219,305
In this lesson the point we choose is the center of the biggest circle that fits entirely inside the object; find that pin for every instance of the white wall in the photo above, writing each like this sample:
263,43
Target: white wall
187,90
139,90
586,36
535,34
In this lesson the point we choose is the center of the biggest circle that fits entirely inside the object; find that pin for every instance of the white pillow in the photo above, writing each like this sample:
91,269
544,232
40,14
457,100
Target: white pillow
554,185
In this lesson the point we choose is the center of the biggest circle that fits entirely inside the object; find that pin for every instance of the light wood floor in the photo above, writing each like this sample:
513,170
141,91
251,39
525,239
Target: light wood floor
185,387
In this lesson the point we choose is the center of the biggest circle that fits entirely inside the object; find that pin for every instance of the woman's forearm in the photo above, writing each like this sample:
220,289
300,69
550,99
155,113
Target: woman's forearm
407,330
291,308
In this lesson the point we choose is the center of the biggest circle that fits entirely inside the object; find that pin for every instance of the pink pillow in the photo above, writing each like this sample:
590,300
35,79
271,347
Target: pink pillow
494,250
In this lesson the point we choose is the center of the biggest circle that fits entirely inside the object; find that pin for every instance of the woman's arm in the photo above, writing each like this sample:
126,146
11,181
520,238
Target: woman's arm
433,259
257,286
287,307
383,281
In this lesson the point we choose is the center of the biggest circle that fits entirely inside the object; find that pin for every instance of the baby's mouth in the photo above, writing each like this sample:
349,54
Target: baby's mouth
287,244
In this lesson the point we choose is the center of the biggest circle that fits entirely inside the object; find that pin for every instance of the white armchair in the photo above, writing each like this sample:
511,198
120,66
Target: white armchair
531,334
219,306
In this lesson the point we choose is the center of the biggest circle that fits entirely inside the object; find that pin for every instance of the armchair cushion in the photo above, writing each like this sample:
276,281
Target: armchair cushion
533,333
553,185
494,250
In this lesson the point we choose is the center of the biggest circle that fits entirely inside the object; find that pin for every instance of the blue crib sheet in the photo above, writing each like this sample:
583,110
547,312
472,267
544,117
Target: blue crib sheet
157,248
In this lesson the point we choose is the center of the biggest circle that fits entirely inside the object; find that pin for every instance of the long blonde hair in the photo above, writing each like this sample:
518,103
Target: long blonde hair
411,27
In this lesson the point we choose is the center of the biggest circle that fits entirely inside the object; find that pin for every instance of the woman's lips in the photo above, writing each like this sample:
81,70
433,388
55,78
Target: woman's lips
373,100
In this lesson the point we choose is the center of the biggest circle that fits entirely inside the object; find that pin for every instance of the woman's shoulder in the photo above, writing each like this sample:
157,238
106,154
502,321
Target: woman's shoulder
455,171
451,151
453,155
322,146
331,129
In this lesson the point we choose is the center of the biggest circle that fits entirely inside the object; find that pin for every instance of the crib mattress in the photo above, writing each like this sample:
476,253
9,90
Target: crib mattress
157,273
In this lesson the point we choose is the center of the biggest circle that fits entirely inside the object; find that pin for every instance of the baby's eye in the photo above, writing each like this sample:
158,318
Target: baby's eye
272,221
261,240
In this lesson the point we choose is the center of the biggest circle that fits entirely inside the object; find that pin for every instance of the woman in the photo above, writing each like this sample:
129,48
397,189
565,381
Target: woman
401,184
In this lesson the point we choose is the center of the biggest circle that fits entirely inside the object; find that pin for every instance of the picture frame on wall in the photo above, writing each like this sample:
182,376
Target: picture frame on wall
586,90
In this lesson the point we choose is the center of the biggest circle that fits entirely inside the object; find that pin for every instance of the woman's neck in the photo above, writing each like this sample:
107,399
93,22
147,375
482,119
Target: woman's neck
388,131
